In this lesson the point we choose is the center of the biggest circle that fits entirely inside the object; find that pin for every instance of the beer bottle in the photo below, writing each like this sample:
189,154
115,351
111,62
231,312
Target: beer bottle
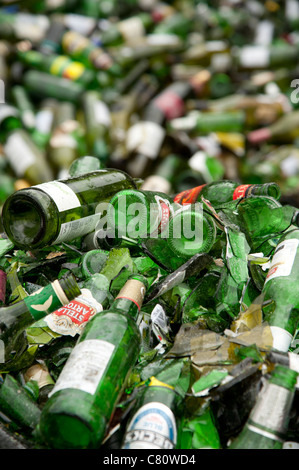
61,210
153,424
95,374
154,211
267,424
281,304
44,85
15,318
17,405
219,192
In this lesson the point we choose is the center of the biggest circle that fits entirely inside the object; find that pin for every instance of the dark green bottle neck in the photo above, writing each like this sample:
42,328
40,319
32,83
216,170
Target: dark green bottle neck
126,306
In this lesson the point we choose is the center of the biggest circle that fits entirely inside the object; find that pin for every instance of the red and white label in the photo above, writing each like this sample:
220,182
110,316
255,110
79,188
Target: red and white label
240,191
190,196
72,318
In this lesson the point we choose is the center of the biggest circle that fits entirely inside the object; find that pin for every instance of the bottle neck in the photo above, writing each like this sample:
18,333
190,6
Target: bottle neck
126,306
130,298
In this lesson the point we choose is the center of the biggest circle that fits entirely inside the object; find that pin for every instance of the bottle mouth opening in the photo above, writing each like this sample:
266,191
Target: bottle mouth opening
130,215
191,235
23,222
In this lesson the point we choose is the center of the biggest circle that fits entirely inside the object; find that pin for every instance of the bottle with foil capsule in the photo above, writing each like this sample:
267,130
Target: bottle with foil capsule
153,424
267,424
281,300
61,210
17,141
39,374
15,318
95,374
219,192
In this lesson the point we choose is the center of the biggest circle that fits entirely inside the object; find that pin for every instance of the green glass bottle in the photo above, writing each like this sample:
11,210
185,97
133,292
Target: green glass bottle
97,119
191,230
95,374
153,209
127,29
44,85
25,106
263,217
38,373
197,122
82,165
153,424
256,56
280,290
67,141
17,405
15,318
61,210
82,49
58,65
16,141
219,192
267,424
44,120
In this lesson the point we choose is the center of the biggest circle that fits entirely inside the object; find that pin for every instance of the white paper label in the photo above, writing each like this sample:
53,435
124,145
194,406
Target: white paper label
145,137
85,366
283,259
281,338
71,319
19,154
77,228
102,113
255,56
152,427
63,196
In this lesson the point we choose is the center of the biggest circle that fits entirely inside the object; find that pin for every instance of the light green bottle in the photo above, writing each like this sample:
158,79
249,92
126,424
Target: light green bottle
280,289
263,217
153,423
16,141
268,420
97,119
95,374
44,85
61,210
139,214
67,141
190,231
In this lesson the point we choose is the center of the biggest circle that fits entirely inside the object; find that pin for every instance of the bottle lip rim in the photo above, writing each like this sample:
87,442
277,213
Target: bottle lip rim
22,197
